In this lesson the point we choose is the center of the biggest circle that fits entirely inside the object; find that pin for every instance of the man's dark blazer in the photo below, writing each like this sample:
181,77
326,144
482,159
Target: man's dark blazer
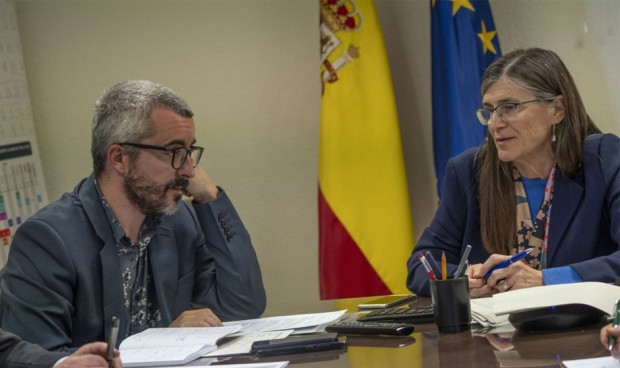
15,353
62,282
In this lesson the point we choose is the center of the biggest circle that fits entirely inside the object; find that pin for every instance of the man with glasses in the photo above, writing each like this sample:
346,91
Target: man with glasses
124,244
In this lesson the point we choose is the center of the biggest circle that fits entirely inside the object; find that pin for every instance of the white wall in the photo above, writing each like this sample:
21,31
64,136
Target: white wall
249,69
586,35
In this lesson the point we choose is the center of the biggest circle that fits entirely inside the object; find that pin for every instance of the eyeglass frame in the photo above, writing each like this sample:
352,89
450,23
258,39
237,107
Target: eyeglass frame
493,110
188,152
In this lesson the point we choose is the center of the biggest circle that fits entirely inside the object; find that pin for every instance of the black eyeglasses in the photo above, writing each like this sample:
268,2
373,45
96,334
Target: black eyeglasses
506,111
179,154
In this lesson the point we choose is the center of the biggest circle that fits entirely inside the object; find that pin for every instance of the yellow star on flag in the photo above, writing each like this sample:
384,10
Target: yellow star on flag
457,4
487,39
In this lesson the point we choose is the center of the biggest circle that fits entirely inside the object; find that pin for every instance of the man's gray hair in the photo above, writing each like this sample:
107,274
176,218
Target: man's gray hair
122,114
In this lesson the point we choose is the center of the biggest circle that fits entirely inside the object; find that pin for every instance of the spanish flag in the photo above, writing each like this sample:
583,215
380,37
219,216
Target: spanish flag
365,230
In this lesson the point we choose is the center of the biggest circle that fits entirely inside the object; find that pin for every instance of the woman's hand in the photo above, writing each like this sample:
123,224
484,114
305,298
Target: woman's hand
478,287
518,275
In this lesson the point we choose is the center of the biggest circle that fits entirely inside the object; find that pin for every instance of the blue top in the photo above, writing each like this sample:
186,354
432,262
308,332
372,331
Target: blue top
535,191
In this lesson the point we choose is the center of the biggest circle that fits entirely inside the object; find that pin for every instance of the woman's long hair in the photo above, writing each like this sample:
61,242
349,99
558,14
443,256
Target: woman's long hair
544,74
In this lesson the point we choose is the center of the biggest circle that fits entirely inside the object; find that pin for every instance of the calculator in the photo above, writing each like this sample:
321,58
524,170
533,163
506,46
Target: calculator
412,314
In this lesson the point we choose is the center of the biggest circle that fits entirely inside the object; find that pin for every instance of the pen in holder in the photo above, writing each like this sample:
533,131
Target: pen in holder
451,304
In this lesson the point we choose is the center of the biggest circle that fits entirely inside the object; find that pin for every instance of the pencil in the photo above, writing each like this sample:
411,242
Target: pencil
444,273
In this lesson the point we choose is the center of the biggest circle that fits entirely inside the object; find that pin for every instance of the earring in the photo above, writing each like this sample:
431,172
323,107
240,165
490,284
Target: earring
553,138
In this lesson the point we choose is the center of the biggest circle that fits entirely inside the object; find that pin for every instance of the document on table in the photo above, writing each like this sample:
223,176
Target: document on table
482,312
289,322
247,365
603,362
166,346
243,344
494,311
596,294
256,365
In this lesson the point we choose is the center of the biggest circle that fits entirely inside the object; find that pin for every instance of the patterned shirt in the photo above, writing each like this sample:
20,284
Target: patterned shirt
141,307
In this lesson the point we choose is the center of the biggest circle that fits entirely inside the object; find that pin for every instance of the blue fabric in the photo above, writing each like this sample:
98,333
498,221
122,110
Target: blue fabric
459,61
535,191
560,275
585,222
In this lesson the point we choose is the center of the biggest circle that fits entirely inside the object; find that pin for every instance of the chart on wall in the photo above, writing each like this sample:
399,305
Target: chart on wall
22,186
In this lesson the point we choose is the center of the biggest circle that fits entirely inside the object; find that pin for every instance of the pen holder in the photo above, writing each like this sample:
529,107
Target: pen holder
451,304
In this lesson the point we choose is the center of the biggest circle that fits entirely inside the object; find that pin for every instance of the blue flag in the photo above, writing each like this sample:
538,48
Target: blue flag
464,44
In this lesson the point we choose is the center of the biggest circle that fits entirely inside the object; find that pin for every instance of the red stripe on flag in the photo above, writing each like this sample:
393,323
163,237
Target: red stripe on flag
344,271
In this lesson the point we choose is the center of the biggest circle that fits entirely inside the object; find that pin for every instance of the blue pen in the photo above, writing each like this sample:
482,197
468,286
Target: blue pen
517,257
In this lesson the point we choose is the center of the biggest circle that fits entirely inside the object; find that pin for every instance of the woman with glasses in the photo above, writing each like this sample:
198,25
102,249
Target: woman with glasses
546,182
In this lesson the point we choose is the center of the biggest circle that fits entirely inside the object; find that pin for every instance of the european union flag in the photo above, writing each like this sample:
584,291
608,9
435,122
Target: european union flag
464,44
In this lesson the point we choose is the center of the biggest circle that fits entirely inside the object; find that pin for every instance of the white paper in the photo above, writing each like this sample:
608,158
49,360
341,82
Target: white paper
176,336
162,355
165,346
256,365
243,344
286,322
603,362
596,294
247,365
482,312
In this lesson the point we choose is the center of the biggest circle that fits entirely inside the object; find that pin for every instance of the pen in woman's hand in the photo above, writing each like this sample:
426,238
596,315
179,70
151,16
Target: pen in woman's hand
517,257
112,336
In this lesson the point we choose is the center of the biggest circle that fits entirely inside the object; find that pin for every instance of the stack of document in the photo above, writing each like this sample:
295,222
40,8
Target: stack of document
171,346
494,311
176,346
595,294
301,323
483,313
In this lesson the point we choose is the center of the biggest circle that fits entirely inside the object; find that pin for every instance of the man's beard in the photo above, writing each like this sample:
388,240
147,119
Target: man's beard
151,198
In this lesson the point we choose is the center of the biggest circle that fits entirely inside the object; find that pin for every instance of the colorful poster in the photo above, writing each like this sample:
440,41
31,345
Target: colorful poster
22,186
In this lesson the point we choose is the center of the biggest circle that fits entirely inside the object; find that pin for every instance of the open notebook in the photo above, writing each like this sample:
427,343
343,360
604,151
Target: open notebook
171,346
595,294
494,311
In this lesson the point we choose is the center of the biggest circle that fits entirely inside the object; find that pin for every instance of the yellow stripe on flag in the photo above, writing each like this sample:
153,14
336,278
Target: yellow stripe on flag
361,170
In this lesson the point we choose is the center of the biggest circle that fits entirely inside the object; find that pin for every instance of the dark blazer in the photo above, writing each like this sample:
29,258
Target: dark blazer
62,282
585,217
15,353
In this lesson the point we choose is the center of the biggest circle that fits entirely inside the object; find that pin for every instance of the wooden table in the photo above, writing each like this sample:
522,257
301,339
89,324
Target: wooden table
427,348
